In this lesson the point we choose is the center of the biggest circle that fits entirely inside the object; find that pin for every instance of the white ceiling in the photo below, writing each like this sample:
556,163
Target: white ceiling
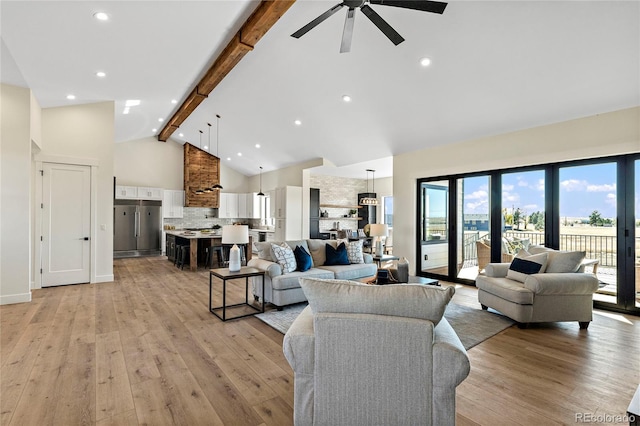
498,66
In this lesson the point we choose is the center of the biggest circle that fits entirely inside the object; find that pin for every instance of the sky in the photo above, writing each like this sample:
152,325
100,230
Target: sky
583,189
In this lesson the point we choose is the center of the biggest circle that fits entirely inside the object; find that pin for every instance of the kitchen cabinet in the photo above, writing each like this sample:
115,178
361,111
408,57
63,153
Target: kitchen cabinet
170,247
288,223
147,193
228,206
172,204
123,192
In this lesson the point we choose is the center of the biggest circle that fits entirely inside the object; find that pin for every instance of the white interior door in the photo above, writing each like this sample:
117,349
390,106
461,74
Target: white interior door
66,227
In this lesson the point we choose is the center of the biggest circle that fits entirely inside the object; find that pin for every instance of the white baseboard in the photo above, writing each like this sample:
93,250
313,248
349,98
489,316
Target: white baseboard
104,278
15,298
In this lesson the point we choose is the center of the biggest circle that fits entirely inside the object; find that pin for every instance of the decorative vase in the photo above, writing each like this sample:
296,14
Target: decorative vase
403,270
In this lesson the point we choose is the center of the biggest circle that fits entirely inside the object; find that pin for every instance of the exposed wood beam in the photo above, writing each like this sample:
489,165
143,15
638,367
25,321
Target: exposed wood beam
261,20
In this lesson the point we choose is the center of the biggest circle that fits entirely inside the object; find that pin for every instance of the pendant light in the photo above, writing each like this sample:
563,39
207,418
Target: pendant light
369,201
206,188
217,184
200,191
261,194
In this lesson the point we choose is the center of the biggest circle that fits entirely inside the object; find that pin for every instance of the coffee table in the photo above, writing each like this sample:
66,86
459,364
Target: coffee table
412,280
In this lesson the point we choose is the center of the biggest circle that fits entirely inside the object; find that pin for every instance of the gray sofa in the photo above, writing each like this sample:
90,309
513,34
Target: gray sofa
374,355
284,289
560,292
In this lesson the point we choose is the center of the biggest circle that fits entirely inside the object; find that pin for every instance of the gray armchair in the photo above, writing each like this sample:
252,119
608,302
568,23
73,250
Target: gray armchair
382,355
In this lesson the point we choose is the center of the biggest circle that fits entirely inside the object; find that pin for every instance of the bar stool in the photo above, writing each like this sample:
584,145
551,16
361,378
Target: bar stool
210,251
181,255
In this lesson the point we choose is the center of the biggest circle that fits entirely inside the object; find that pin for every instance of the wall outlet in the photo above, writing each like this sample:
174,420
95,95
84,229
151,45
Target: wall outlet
426,257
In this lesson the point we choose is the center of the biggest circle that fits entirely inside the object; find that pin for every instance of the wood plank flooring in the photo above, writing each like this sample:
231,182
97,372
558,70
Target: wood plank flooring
145,350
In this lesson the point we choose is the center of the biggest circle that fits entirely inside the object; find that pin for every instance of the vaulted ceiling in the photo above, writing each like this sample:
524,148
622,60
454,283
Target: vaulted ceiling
496,66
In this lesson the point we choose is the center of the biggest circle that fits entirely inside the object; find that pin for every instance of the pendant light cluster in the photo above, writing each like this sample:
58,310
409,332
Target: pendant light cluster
215,186
368,201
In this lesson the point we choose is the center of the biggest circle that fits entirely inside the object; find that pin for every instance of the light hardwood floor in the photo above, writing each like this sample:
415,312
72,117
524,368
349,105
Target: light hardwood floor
145,350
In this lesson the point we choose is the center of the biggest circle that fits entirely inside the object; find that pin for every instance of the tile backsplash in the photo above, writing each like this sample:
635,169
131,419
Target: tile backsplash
204,217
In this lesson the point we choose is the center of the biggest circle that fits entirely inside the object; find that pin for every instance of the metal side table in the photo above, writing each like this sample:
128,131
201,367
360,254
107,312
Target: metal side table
224,274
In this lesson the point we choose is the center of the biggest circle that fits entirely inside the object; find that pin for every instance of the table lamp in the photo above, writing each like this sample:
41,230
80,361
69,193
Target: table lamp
235,234
378,230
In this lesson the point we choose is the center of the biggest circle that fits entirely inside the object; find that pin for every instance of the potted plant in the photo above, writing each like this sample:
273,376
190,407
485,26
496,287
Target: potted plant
216,228
353,212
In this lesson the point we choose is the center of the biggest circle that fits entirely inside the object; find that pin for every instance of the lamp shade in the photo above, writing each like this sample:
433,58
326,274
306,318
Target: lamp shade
235,234
379,230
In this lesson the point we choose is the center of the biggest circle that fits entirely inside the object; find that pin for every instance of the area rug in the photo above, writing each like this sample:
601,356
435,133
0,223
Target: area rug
473,326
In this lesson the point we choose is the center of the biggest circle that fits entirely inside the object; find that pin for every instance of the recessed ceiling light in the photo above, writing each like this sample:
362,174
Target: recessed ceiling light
71,97
346,98
101,74
154,130
239,154
173,101
126,110
132,102
257,145
228,158
161,119
297,122
181,135
205,147
425,62
101,16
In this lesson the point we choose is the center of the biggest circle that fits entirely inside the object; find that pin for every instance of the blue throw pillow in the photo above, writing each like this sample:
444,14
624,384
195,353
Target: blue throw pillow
303,259
336,256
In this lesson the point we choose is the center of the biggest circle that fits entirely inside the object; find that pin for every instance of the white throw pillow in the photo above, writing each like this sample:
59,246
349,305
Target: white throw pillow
285,257
354,250
564,261
525,264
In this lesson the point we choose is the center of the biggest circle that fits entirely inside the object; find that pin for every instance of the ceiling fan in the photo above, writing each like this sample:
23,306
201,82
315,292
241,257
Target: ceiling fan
347,34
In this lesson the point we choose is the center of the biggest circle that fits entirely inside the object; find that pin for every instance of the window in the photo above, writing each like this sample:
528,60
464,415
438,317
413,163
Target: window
387,213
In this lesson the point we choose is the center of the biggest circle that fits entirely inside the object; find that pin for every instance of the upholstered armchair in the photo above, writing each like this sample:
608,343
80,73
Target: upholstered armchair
558,290
383,355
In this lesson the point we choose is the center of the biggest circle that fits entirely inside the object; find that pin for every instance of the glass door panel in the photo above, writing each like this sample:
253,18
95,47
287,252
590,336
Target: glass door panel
473,223
637,223
523,212
434,217
588,212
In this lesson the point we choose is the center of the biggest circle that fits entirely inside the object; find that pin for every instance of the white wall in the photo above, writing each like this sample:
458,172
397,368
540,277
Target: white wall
15,194
148,162
86,133
597,136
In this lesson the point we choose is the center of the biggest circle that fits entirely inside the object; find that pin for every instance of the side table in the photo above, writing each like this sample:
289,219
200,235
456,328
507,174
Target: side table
384,258
224,274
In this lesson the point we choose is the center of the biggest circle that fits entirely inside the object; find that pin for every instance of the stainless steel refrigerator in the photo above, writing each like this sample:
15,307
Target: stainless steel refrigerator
136,228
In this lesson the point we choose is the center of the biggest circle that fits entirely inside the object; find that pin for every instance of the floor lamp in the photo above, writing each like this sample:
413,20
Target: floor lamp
235,234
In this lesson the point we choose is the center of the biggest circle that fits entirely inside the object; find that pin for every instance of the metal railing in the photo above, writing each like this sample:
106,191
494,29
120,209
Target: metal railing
601,247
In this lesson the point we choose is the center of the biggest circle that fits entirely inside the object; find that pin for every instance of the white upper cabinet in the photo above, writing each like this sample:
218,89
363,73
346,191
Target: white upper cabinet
228,206
173,204
147,193
130,192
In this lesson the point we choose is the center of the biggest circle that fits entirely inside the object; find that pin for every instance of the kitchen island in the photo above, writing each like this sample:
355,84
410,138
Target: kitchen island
193,239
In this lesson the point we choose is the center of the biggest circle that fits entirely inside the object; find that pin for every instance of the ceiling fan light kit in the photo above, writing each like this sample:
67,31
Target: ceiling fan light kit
387,30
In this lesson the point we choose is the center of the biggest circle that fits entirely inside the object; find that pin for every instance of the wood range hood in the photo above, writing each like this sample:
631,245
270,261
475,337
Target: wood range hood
201,170
254,28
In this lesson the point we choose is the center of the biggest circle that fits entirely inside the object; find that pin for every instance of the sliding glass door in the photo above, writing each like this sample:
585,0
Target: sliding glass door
636,225
473,225
588,221
434,235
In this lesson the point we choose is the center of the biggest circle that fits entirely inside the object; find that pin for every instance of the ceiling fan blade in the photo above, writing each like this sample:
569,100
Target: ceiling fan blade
382,25
311,25
423,5
347,33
